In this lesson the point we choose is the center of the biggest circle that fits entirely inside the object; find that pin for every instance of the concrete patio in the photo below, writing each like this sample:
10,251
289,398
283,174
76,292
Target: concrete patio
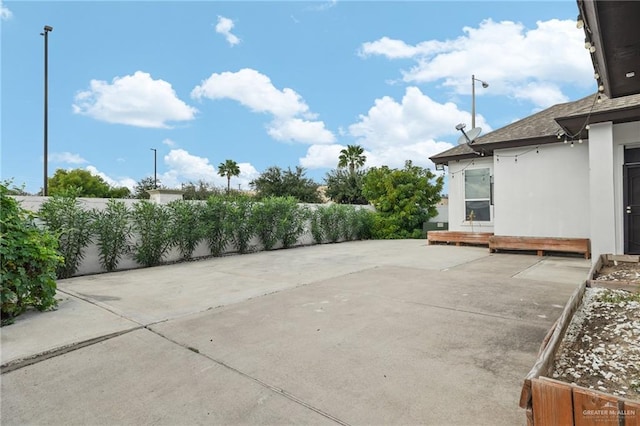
372,332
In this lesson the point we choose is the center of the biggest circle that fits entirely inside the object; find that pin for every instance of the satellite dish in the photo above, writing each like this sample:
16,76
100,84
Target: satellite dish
470,136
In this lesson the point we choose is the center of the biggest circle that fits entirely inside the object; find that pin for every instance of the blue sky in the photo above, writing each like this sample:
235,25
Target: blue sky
271,83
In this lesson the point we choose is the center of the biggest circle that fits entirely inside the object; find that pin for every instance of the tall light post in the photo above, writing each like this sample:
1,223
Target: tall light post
45,33
155,168
473,98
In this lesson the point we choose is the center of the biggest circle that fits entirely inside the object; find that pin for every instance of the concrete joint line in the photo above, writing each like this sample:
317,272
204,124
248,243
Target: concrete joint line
34,359
272,388
99,305
464,263
526,269
463,311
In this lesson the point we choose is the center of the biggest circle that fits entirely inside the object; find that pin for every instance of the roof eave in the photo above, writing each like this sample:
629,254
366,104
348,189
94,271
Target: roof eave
574,123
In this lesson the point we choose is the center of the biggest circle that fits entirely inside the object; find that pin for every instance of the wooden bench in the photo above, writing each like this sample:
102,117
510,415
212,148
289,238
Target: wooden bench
541,244
459,237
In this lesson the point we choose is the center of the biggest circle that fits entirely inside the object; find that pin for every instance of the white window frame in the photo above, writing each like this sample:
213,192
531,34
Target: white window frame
489,198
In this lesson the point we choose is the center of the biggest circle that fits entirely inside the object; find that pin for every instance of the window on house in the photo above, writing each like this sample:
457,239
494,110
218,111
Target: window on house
477,195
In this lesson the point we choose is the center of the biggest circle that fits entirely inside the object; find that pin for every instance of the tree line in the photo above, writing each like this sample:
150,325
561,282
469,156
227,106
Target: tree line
404,197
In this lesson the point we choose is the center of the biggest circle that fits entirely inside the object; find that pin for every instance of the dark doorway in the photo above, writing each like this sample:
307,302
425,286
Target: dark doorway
632,201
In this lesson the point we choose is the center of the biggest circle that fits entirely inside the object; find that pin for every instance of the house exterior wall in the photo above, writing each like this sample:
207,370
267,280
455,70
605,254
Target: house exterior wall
457,214
602,189
543,193
625,135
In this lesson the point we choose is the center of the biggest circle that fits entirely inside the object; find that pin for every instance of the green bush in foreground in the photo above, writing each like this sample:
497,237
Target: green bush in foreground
341,222
65,217
241,226
215,216
28,261
113,231
187,225
151,224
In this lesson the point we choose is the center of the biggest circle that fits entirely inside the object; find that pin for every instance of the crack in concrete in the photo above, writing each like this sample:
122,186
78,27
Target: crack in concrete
262,383
34,359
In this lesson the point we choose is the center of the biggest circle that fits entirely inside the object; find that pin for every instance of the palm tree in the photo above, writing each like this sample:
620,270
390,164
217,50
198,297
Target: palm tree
352,156
229,168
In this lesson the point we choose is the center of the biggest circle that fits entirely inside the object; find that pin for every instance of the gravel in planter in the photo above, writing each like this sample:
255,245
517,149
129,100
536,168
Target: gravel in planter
601,348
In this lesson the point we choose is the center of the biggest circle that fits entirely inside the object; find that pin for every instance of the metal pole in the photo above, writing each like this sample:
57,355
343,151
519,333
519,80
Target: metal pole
155,168
45,188
473,101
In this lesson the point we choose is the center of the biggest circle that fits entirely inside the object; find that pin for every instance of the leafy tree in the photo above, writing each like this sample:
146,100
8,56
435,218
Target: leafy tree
404,199
229,168
353,157
28,261
142,186
199,190
274,182
88,185
344,187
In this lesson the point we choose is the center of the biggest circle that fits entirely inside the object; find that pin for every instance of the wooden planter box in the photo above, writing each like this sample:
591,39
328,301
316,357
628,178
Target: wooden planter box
552,402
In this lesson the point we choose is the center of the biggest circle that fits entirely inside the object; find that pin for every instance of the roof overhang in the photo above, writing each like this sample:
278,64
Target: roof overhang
613,27
574,123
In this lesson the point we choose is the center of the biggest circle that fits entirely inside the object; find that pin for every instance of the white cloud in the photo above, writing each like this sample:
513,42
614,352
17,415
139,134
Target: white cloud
185,167
66,157
392,132
253,90
514,60
168,142
116,183
189,166
299,130
398,49
417,118
328,4
5,13
292,118
321,156
224,27
135,100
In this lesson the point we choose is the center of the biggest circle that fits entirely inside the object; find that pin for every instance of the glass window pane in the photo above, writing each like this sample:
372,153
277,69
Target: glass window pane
480,209
477,183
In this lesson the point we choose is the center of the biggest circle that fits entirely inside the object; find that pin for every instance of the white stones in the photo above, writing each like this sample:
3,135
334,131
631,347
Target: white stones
601,347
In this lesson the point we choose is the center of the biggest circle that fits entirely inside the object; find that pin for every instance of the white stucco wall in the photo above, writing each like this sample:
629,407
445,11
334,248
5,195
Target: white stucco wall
601,163
457,213
91,264
543,193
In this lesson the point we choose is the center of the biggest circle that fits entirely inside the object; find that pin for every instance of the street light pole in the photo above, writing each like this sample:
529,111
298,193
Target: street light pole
155,168
47,29
473,98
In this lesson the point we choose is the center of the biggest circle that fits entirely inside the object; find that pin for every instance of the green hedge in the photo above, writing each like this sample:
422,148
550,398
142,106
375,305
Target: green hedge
148,231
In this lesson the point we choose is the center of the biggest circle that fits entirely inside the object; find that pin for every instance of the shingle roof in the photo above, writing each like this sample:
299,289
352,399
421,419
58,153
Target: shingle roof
459,151
537,125
543,126
607,105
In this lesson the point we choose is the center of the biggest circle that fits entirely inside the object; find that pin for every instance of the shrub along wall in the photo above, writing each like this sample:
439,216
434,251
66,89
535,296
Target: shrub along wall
99,235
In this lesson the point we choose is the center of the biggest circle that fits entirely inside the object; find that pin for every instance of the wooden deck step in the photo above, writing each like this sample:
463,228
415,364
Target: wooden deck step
541,244
459,237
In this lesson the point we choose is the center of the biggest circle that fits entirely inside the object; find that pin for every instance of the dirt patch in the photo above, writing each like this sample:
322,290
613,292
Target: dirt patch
620,271
601,348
